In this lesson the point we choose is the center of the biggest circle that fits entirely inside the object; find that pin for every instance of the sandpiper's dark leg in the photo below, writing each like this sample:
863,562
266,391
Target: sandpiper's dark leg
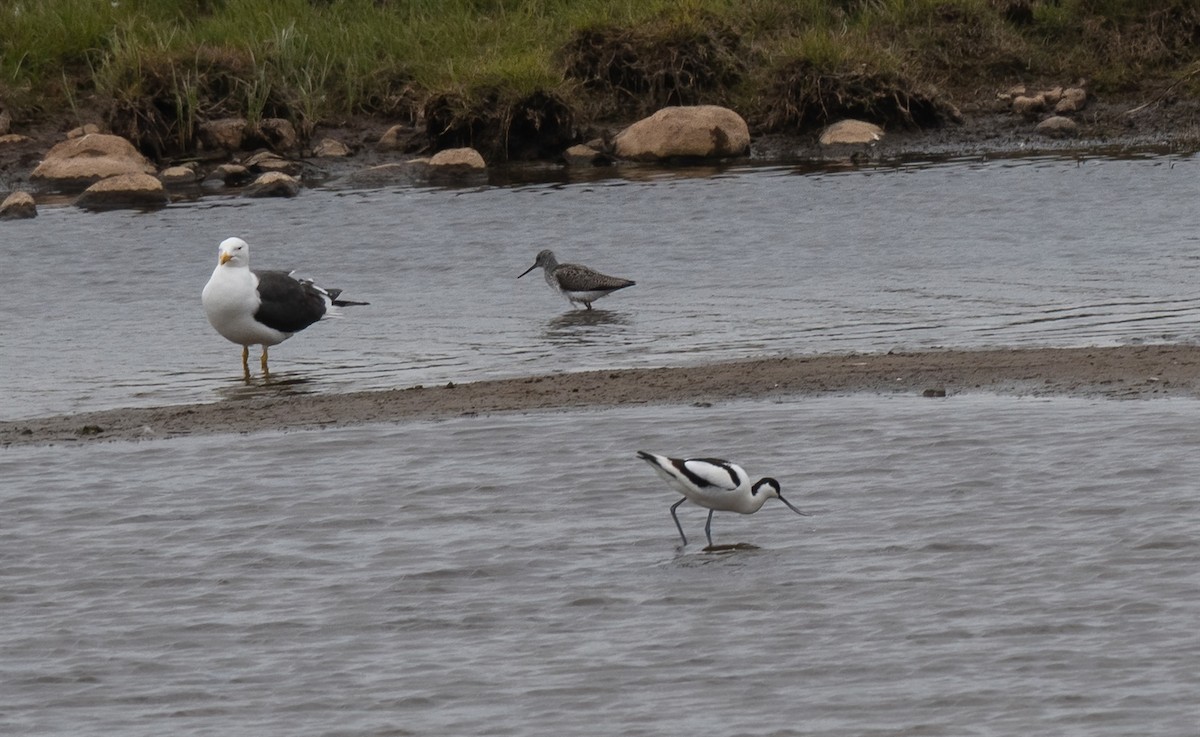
676,518
708,527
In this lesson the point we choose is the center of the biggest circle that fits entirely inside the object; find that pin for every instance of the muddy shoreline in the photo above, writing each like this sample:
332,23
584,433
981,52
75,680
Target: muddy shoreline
1123,372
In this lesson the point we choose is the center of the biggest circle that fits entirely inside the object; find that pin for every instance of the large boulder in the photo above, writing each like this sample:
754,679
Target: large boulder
18,205
694,132
79,162
139,191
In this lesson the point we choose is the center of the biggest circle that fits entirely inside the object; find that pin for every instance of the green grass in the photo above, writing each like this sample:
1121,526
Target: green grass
317,60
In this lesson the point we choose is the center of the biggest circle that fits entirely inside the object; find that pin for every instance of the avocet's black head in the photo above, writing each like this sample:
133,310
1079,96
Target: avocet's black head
770,487
545,259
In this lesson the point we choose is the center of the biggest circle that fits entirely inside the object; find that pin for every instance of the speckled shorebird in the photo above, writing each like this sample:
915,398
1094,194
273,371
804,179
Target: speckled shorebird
264,308
715,484
579,284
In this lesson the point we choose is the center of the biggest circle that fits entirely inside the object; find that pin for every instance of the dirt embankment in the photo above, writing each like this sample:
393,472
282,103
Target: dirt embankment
1116,372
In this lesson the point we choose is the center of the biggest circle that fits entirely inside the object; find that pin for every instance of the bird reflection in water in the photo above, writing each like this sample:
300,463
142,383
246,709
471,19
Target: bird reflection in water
272,385
585,327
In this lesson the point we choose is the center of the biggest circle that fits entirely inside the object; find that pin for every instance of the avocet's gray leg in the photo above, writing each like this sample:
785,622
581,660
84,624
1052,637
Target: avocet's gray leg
676,518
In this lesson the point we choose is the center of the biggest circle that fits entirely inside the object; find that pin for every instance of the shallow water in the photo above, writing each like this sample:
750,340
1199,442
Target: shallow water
973,566
102,310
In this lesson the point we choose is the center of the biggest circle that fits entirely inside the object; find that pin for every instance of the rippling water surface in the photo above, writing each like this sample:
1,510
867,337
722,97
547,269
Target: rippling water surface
103,310
972,566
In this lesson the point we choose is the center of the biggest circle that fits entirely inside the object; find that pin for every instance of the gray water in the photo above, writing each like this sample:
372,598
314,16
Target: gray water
103,310
976,565
973,566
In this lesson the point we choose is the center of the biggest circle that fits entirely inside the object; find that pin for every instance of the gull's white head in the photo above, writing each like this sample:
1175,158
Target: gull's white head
234,252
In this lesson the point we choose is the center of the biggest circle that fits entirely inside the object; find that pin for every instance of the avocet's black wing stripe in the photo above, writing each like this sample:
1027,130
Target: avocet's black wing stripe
706,472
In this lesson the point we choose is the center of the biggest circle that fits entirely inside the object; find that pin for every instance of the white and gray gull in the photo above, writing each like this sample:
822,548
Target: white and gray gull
579,284
264,308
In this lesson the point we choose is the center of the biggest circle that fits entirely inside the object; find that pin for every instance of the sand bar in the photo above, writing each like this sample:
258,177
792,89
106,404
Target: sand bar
1121,372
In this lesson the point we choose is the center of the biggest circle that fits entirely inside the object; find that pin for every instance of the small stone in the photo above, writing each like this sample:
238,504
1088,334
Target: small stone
279,134
224,134
395,138
330,147
1025,105
269,161
467,158
583,155
231,175
850,131
86,129
273,184
177,175
9,139
18,206
1073,100
1058,126
1051,96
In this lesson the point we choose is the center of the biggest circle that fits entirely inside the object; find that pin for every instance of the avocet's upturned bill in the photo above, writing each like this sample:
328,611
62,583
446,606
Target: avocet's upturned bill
717,485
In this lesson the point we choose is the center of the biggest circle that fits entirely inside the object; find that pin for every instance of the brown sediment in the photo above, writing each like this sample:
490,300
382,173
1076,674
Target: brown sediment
1109,372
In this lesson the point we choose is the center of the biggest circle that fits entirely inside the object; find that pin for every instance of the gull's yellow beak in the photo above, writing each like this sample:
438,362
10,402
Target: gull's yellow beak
225,256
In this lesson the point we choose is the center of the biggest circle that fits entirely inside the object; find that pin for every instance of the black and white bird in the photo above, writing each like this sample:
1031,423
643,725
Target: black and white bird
717,485
579,284
261,307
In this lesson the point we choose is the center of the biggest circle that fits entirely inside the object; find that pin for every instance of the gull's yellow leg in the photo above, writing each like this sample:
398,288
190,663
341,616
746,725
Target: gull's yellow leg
264,362
246,361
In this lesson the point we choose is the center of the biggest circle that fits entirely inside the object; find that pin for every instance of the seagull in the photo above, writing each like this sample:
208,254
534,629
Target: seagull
261,307
579,284
715,484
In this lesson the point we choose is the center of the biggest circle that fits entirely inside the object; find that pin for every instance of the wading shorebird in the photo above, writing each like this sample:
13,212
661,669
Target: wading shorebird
263,308
579,284
717,485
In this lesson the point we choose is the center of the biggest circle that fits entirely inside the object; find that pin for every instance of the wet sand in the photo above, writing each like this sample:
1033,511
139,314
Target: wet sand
1124,372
